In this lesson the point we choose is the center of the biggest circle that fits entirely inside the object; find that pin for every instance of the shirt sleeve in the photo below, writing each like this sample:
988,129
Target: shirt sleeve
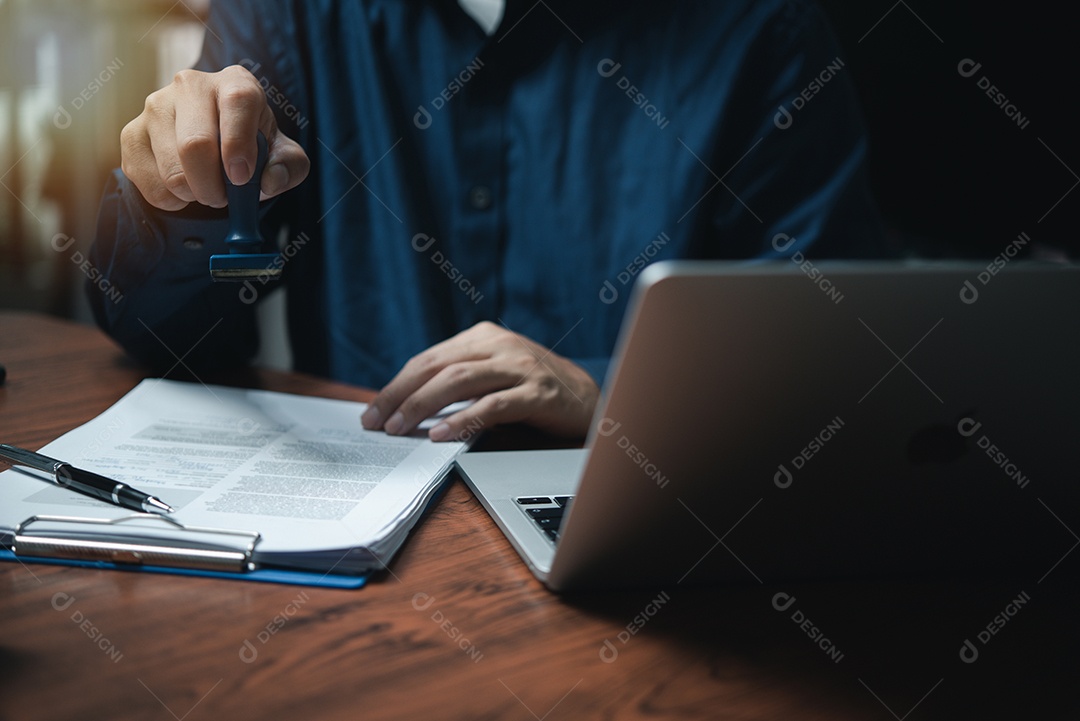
160,303
794,174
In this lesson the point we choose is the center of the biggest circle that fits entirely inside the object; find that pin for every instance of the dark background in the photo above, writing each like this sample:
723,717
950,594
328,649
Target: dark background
953,175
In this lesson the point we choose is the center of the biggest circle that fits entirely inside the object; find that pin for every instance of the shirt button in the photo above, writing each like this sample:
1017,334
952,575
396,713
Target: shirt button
480,197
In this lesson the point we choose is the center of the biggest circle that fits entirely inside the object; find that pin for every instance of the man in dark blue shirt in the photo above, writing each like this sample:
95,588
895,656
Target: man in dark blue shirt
486,197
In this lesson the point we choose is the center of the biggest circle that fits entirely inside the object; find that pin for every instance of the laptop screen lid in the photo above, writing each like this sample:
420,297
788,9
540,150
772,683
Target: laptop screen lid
770,421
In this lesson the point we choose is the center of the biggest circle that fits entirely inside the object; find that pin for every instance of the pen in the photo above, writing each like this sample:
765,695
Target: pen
90,484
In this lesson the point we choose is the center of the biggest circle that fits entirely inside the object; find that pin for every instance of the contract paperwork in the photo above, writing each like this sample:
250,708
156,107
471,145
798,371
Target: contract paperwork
325,494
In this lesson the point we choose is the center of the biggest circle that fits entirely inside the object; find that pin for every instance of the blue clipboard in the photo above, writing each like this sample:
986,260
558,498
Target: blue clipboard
261,575
233,563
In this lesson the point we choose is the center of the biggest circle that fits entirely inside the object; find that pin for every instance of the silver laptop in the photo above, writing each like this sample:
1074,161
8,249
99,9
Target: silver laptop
783,421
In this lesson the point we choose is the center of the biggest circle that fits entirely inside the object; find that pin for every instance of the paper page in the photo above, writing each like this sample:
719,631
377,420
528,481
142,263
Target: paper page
299,470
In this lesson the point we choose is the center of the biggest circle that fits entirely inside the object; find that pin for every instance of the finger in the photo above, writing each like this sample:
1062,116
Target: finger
416,372
242,111
141,168
511,405
419,370
287,166
197,143
456,382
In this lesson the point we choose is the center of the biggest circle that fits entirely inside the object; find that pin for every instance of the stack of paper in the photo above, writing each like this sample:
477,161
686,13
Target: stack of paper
325,494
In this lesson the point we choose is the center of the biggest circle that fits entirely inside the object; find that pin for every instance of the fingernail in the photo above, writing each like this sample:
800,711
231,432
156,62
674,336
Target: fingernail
239,171
395,425
441,432
371,419
275,179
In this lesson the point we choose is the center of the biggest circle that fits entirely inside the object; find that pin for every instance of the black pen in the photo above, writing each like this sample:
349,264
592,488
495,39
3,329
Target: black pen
90,484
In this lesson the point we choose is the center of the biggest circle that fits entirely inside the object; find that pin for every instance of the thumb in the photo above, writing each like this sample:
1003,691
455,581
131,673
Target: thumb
287,165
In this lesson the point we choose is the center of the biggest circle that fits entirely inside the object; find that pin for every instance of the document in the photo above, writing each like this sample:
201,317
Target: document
323,493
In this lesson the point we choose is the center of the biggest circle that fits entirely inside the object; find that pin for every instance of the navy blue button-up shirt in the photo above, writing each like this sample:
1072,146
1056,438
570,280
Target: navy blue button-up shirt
523,178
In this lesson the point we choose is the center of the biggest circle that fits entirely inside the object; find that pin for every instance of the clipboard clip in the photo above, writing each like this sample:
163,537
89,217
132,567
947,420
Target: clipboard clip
137,552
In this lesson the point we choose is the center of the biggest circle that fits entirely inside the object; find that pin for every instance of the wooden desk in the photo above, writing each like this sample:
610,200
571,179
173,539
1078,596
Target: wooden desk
460,629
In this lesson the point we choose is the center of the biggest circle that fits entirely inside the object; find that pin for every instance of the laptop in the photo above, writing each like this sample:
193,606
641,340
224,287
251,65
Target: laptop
779,421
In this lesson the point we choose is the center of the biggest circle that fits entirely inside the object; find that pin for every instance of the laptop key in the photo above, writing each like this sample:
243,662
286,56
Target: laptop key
549,524
563,500
552,534
544,512
534,500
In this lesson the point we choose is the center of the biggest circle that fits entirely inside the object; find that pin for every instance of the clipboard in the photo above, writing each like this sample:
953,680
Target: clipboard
150,556
342,551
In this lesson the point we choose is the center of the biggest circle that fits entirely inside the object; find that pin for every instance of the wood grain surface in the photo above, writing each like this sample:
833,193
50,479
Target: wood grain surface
458,628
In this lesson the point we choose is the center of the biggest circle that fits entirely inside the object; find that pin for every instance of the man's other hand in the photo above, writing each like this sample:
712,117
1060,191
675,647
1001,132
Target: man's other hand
512,378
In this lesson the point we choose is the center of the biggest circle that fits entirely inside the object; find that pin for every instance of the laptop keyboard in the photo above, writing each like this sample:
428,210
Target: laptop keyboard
546,512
